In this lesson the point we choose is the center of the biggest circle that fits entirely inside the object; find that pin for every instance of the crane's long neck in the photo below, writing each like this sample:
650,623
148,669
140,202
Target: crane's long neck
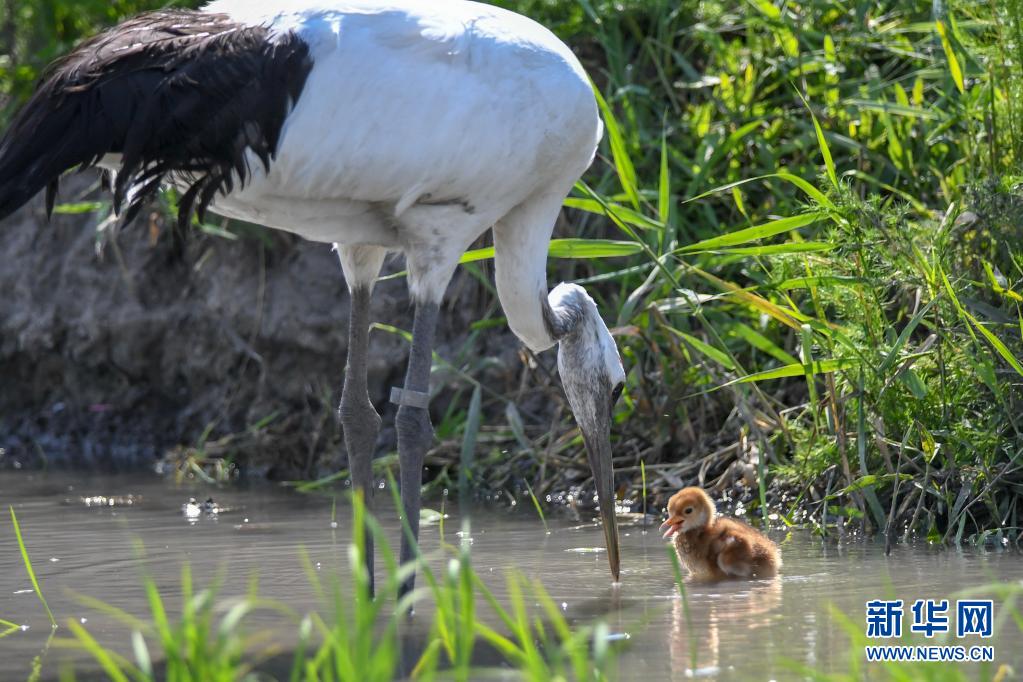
540,319
521,242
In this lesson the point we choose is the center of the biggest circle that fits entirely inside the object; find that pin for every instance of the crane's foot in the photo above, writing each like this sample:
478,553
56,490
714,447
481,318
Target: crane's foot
415,435
361,425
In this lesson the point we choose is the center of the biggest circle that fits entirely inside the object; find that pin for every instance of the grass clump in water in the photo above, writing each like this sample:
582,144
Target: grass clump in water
361,638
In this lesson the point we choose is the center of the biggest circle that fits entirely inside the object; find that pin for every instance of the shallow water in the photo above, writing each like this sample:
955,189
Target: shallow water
741,631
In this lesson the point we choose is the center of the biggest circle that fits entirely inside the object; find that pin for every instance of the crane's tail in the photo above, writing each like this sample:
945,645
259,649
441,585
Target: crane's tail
177,93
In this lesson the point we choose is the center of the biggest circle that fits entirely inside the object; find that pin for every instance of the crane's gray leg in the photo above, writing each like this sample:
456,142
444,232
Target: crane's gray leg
437,236
415,433
359,420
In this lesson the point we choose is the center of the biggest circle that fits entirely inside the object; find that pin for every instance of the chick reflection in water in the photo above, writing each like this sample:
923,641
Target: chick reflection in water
723,629
715,548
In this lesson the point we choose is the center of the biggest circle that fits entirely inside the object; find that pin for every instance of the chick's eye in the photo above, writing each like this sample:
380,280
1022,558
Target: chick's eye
688,510
616,392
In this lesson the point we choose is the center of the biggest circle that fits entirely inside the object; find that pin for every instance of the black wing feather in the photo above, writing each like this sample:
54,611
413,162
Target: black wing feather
173,92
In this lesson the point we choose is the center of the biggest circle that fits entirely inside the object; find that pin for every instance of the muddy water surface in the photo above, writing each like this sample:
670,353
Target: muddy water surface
739,631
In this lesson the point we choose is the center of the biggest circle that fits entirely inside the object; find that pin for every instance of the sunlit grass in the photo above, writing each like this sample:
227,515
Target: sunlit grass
799,224
7,627
28,568
357,636
539,509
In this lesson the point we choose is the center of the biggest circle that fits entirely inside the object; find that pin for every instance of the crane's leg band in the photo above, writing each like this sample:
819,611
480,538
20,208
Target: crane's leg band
411,398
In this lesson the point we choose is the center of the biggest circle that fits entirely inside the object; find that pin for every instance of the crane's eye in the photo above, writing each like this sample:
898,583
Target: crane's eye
616,392
688,510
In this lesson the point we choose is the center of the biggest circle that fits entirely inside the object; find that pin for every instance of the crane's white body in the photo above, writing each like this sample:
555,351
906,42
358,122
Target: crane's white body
421,125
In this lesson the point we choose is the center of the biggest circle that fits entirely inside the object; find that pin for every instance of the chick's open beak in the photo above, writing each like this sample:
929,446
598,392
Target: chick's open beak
598,448
671,526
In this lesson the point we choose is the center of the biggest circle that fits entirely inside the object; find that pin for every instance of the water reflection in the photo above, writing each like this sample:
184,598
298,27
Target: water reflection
695,645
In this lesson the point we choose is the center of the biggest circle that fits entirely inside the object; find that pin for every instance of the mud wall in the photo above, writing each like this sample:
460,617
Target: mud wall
111,356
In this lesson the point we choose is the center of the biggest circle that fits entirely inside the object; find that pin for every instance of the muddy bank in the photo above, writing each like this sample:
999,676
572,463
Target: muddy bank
111,356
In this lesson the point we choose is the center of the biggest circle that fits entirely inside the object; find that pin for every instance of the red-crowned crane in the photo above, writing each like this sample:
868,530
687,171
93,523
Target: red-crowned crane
408,126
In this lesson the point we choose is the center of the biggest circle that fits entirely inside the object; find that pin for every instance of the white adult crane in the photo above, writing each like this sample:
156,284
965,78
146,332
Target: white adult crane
380,126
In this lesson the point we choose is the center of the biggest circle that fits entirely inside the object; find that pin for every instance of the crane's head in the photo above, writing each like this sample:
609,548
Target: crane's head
592,374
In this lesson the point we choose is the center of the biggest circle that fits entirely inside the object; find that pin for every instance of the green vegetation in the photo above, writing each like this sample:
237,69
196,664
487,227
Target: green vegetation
814,225
28,568
826,301
32,34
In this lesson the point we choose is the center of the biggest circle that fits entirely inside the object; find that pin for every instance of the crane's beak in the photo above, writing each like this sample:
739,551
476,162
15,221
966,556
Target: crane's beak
598,448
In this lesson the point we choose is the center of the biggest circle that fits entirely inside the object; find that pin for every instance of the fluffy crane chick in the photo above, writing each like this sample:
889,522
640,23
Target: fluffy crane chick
715,548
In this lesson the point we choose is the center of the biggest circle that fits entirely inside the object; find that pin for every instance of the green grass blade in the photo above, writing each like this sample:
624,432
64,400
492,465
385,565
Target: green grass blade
112,611
882,106
829,161
799,182
772,249
626,214
569,248
1000,347
78,208
870,480
664,183
787,316
102,656
8,627
806,343
861,452
815,281
809,189
592,248
539,510
710,351
907,331
749,234
28,566
762,343
817,367
619,152
953,62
